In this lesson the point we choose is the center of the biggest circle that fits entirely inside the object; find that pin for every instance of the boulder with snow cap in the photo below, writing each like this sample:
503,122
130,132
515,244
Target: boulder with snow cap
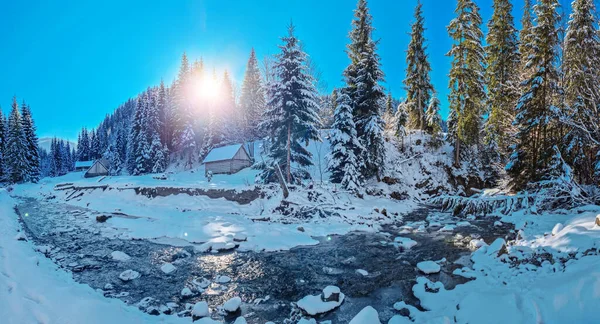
331,293
200,310
497,248
232,305
598,220
367,315
428,267
316,304
129,275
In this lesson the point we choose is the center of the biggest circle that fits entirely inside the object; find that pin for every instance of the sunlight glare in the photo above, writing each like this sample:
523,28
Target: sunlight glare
207,88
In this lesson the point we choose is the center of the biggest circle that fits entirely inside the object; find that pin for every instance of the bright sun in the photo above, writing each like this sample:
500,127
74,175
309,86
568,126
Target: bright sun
207,88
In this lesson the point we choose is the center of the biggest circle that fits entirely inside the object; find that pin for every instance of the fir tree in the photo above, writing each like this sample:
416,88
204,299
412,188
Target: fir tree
343,162
292,108
467,91
16,147
134,141
252,100
3,138
32,156
401,119
502,81
363,76
526,40
388,115
581,67
434,122
417,82
536,117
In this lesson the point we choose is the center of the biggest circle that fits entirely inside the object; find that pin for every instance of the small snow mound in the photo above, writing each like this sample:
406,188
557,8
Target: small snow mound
167,268
367,315
557,228
362,272
428,267
498,223
120,256
447,228
20,237
314,304
404,242
476,244
128,275
201,284
223,279
186,292
240,237
232,305
200,310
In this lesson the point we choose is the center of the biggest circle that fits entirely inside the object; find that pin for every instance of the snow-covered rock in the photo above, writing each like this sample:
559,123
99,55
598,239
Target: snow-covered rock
362,272
202,284
331,293
200,310
428,267
404,242
314,304
598,220
232,305
223,279
223,246
557,228
447,228
463,224
128,275
367,315
476,244
435,224
497,248
306,321
186,292
498,223
167,268
120,256
21,236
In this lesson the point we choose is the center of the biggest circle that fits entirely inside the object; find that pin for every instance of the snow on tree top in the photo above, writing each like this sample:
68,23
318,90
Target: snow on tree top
222,153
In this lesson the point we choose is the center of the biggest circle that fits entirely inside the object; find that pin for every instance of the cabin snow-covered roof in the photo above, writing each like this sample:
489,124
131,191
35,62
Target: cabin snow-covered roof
84,164
222,153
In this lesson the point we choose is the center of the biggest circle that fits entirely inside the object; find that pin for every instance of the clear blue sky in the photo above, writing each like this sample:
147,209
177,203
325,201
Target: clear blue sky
75,61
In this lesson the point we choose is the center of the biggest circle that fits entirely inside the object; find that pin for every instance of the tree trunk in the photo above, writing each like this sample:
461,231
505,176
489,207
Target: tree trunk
457,153
289,155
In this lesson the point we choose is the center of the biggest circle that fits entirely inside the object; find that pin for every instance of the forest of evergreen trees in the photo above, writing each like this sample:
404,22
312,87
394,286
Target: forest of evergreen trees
523,104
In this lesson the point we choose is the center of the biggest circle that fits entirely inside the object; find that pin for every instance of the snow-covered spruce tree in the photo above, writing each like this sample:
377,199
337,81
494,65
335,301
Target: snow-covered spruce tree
434,121
95,146
581,82
184,136
536,118
161,109
363,76
526,41
83,146
503,60
230,114
3,126
153,144
388,115
16,147
134,142
401,119
467,91
292,108
252,100
32,155
343,164
418,83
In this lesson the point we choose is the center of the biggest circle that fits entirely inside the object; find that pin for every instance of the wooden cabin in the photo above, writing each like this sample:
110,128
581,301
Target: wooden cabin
98,169
227,159
83,165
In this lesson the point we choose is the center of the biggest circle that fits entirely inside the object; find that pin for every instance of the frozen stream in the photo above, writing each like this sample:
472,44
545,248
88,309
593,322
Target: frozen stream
267,282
